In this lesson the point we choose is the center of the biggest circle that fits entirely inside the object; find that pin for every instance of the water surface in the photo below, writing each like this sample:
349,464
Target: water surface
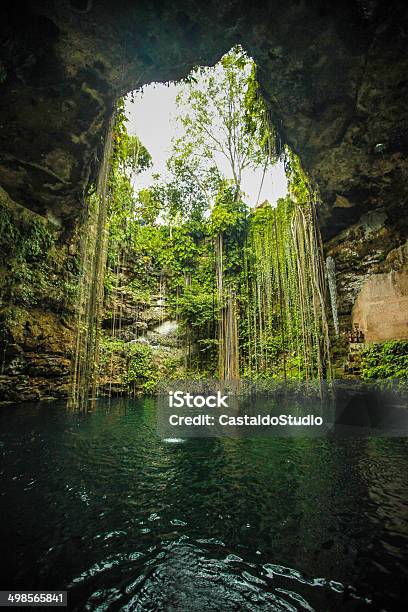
97,504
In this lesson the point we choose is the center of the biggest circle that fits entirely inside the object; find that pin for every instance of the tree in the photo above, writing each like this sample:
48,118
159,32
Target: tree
148,205
129,157
188,191
214,117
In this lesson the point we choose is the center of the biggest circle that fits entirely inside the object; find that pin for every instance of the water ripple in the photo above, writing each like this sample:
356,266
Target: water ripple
99,505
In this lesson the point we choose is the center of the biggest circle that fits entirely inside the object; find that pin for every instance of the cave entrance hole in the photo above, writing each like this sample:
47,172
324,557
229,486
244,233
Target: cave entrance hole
197,235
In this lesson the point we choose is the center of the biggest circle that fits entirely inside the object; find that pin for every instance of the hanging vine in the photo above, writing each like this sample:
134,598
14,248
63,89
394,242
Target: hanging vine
93,252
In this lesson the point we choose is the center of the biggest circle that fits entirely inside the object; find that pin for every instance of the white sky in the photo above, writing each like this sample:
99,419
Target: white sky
151,118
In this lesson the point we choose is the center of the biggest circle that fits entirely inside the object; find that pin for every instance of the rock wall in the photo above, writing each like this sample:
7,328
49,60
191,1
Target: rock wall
140,344
373,247
381,307
36,350
38,275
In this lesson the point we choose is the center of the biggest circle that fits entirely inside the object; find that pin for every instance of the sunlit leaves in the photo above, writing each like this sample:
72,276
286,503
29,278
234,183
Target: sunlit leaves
213,114
128,158
148,206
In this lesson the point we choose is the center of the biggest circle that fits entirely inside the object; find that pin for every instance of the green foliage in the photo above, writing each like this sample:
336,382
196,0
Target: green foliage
184,250
174,252
299,184
129,157
385,360
141,371
133,363
257,124
148,206
150,254
36,269
109,346
215,116
228,215
196,308
229,219
190,187
283,332
23,239
141,293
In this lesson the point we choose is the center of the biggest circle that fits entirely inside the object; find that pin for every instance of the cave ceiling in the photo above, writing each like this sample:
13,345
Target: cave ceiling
334,75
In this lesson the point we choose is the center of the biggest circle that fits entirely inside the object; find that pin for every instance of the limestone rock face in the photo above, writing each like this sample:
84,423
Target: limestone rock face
375,245
37,316
36,353
381,307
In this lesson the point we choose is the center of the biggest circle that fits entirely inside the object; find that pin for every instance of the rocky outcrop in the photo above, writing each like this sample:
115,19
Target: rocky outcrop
381,307
35,351
140,346
37,318
368,249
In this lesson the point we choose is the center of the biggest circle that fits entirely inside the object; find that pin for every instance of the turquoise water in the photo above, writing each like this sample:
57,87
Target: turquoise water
97,504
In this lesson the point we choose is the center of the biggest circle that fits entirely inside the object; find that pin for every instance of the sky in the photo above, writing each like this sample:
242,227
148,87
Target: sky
151,118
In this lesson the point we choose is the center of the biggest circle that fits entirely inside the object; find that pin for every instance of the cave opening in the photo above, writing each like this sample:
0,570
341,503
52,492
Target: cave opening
212,245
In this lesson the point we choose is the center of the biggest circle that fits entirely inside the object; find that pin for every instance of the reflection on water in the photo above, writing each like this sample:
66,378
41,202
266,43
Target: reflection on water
98,504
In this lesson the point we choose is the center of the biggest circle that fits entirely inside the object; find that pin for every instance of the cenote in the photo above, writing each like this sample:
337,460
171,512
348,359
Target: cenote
97,504
208,198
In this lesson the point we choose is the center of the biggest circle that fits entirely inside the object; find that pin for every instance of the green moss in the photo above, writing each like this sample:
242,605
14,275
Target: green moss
22,238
